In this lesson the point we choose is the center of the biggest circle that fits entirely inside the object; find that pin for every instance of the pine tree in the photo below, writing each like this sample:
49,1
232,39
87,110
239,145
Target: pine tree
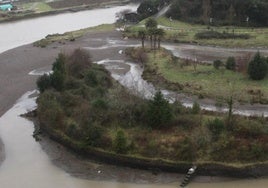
257,68
159,112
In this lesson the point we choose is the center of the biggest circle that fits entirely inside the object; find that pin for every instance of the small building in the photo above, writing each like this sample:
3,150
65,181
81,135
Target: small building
6,7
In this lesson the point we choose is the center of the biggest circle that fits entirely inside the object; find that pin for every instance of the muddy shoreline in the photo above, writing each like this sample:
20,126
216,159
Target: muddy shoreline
2,152
63,10
255,170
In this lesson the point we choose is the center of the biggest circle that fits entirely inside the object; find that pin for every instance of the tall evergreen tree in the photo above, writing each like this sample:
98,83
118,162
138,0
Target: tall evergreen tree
159,112
257,68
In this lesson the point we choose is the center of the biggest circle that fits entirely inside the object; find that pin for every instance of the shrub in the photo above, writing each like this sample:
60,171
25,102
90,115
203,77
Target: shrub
216,127
43,83
50,112
230,63
186,121
185,150
257,68
73,130
100,104
217,64
218,35
196,108
249,128
78,61
120,142
159,111
258,151
91,79
57,80
59,64
98,76
94,135
73,83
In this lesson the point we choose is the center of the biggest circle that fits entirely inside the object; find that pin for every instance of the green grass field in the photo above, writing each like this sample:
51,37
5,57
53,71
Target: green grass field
72,35
184,32
37,6
206,81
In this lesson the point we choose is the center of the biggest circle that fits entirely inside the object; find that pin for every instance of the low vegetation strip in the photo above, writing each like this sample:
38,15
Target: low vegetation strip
156,165
72,35
76,3
178,31
218,35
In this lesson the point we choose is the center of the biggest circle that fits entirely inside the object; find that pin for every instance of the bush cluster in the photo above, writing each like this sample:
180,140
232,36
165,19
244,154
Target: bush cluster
218,35
246,12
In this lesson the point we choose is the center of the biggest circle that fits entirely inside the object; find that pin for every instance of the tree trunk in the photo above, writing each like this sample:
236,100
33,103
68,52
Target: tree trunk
151,39
154,42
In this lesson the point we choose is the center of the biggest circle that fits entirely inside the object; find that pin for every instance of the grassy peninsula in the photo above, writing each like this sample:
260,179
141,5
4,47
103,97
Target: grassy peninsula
82,103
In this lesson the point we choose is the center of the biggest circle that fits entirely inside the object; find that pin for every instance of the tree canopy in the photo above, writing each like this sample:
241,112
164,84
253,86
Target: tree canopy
239,12
257,68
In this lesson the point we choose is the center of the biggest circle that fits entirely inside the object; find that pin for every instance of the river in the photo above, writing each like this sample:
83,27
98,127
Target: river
26,165
22,32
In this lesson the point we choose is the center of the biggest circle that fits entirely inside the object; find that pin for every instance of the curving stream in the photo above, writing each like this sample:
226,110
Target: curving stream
26,165
134,81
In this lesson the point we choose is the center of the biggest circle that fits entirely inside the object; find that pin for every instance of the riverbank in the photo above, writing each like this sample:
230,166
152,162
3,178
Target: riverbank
155,166
87,168
60,10
2,152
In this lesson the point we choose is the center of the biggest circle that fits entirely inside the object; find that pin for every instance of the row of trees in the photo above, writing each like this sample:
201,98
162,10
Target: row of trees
155,34
241,12
256,68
